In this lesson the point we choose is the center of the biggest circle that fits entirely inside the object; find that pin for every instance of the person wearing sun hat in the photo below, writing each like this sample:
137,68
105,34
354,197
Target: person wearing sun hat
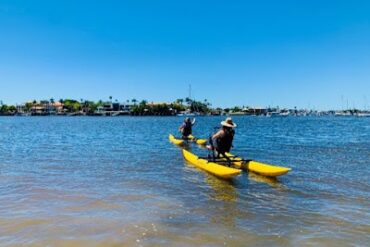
222,141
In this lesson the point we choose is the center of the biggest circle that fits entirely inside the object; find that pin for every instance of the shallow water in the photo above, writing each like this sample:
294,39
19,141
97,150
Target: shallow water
87,181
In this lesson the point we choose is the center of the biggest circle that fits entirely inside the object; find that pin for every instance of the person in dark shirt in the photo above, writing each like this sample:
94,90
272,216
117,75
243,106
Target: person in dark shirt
222,141
186,128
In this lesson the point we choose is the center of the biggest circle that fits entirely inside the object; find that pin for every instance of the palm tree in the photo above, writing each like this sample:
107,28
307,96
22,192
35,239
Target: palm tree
134,101
180,101
61,101
188,100
34,105
51,104
207,103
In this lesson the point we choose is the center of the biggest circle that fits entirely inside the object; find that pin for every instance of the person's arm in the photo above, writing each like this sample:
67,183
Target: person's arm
181,127
218,134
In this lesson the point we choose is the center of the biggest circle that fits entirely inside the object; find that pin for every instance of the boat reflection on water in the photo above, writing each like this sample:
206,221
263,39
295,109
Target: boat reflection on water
224,190
272,181
222,193
226,195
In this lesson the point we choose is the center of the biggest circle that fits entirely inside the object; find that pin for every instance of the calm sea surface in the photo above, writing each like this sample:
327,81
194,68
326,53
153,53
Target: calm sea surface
88,181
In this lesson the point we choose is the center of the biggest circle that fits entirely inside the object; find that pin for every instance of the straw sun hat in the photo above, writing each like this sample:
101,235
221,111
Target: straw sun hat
228,123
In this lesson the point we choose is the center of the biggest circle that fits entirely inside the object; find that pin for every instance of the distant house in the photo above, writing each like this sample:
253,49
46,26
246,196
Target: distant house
125,108
39,110
158,103
113,109
57,107
254,110
108,107
21,108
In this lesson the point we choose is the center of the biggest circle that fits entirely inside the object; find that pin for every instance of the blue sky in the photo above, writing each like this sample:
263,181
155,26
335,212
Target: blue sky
257,53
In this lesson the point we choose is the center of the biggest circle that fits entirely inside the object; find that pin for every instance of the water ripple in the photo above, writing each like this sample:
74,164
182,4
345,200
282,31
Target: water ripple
119,182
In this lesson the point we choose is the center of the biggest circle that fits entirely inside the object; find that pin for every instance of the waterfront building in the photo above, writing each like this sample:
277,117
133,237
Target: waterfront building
113,109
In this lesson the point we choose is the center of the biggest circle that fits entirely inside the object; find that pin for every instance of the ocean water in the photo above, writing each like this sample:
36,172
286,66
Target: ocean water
85,181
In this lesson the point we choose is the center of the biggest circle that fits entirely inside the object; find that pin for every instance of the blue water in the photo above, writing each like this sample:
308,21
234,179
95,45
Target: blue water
118,181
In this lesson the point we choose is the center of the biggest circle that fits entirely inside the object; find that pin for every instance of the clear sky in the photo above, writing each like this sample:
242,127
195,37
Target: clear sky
256,53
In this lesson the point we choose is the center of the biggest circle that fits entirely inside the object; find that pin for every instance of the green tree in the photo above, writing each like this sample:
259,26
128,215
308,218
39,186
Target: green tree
28,106
72,105
8,109
198,106
90,107
180,101
34,104
188,100
236,109
3,108
12,108
177,107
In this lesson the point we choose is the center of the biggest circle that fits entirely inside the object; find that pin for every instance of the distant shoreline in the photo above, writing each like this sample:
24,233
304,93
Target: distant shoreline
238,115
181,107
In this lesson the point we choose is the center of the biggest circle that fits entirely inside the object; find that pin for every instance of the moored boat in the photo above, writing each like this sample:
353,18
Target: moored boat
363,114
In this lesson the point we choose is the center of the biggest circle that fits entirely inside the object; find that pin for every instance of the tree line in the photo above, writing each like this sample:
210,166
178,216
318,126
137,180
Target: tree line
89,107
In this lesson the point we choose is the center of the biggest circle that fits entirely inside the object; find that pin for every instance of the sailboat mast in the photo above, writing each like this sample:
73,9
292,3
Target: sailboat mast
189,91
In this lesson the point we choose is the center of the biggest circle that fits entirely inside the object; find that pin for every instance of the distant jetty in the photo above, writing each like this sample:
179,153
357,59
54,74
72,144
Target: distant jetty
180,107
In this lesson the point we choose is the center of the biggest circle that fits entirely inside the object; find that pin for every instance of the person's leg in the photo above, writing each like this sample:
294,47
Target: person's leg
223,154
